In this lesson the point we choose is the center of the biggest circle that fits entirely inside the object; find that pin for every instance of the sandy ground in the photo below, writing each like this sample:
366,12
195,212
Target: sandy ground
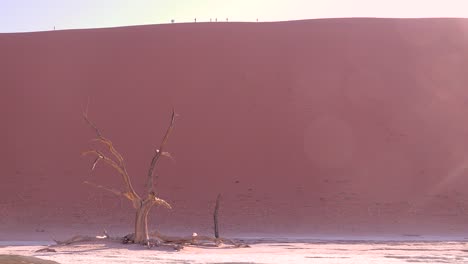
280,251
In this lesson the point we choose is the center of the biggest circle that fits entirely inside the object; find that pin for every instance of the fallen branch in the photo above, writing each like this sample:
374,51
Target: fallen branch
196,240
156,239
79,239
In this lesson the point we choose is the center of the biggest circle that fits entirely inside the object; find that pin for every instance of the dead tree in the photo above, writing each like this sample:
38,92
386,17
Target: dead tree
114,159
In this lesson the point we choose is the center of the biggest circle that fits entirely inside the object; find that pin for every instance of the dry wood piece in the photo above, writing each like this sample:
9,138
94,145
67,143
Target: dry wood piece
79,239
46,250
196,240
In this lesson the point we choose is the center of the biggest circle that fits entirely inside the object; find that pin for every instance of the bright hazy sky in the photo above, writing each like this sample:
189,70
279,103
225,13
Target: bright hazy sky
39,15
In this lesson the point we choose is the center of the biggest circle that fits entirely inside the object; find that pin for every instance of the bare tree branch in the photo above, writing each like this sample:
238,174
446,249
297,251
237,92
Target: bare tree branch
95,163
162,202
101,156
114,191
120,166
114,152
91,124
158,153
101,138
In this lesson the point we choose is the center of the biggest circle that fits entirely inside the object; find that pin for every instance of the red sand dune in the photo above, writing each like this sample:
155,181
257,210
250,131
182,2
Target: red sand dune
334,126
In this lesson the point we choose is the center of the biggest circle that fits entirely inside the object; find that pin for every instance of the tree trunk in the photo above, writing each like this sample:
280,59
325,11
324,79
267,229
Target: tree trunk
141,221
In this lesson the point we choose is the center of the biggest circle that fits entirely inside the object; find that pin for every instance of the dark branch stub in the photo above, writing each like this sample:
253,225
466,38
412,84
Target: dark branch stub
215,216
157,153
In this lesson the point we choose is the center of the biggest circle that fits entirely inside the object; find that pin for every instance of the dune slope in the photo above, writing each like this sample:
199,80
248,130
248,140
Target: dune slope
334,126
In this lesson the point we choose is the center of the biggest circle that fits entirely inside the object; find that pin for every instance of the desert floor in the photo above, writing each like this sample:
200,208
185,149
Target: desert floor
261,251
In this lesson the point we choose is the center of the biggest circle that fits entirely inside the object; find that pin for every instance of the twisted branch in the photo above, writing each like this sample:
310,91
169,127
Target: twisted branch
157,153
119,165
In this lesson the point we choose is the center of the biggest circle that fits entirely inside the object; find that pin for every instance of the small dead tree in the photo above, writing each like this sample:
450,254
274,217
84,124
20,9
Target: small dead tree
215,217
114,159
